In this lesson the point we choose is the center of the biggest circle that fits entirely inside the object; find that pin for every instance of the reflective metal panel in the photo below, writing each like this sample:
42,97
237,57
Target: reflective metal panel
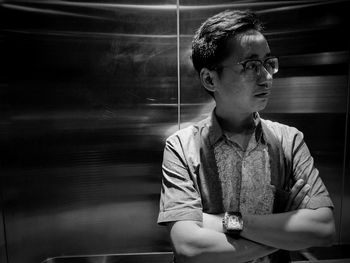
345,219
310,89
86,103
2,236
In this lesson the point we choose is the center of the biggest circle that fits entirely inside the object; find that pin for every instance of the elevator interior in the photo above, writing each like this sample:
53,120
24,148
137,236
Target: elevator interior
91,89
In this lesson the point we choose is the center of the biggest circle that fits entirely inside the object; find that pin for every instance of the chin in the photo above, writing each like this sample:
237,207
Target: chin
260,106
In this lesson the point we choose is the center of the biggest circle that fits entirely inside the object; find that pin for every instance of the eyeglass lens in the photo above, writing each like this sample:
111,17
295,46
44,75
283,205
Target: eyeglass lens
271,65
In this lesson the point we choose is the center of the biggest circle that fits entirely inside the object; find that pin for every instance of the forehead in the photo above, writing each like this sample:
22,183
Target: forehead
249,44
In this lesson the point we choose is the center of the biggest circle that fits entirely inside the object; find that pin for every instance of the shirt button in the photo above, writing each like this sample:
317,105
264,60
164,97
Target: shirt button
243,164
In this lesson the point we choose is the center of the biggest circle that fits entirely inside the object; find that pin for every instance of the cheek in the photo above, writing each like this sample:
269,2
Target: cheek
236,95
243,88
238,88
248,80
234,86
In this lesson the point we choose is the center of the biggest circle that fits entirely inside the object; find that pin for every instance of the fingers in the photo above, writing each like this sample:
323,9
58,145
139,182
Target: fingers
298,195
304,202
293,193
301,198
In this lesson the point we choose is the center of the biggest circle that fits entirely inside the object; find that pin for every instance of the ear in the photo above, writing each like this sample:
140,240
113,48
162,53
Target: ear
207,79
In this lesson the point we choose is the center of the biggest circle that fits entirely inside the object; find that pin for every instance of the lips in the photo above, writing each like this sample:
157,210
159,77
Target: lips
262,93
262,96
263,90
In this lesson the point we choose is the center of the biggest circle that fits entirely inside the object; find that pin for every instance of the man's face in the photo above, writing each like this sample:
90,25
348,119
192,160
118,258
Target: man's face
244,91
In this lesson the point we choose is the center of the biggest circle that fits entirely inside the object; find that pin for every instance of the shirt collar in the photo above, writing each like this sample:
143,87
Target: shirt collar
216,132
259,134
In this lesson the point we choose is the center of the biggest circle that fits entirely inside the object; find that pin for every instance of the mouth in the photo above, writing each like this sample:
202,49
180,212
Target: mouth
264,92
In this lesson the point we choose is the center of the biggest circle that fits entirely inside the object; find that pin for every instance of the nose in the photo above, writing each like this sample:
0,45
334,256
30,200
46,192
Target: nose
264,73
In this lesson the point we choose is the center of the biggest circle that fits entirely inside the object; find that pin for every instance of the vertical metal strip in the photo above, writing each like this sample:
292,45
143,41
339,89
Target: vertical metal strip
178,63
345,153
2,205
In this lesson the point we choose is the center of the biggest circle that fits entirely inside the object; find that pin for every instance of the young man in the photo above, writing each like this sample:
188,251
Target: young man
234,185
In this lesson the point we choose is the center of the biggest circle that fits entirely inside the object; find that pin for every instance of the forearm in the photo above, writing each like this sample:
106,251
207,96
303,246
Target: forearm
290,231
199,244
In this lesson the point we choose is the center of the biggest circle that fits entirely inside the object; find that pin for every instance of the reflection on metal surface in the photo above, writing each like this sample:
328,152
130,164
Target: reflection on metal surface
312,94
345,215
109,6
88,34
48,11
152,257
89,93
303,4
161,258
323,58
336,254
81,146
3,256
281,5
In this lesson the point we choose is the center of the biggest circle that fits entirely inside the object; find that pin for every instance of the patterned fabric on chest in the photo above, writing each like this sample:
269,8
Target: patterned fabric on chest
245,177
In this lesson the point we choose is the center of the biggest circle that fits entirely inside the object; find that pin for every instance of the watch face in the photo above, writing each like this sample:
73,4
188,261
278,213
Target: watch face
234,222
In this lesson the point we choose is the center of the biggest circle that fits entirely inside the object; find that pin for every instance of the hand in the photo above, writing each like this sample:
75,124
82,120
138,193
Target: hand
298,196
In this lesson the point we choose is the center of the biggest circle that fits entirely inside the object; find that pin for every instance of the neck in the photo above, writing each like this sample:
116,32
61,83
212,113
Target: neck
235,122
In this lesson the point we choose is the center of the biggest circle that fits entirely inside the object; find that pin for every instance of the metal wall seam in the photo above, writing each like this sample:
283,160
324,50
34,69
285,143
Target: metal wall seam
178,63
346,149
2,206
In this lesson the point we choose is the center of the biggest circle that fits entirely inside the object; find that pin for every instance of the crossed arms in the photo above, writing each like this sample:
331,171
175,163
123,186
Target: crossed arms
262,235
307,221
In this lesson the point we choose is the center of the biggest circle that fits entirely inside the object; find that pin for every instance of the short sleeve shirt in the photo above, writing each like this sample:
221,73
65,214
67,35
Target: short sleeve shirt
204,171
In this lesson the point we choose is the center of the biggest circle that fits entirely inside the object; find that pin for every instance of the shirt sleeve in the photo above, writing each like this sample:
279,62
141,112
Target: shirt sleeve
303,168
179,200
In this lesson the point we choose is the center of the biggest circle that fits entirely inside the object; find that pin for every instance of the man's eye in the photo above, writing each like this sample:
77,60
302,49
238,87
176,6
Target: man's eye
252,65
270,64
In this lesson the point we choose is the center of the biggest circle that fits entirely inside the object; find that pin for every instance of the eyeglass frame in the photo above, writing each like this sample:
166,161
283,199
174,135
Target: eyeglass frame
244,64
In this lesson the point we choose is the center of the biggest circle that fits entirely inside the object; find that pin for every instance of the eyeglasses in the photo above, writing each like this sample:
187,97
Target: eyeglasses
254,65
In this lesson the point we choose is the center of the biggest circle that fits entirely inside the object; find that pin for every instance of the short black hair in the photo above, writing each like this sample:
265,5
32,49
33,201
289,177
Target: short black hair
209,45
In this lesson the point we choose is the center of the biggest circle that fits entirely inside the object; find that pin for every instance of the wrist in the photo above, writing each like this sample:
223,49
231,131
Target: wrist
249,231
246,220
232,223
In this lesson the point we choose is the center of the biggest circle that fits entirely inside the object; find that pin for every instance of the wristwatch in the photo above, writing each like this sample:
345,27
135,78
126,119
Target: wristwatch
232,223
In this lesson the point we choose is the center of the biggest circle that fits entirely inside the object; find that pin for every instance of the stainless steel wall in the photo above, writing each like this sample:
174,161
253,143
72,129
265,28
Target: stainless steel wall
89,92
2,237
345,215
